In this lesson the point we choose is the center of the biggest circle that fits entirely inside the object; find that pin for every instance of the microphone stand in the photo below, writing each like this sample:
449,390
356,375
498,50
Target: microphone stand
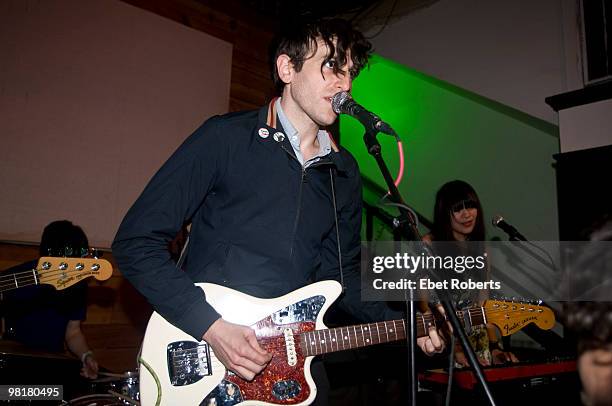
407,224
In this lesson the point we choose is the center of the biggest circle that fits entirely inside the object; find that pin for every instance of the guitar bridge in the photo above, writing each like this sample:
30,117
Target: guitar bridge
188,362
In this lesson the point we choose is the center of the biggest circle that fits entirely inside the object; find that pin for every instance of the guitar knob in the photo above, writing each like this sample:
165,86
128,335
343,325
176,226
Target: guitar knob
46,265
95,267
63,266
79,266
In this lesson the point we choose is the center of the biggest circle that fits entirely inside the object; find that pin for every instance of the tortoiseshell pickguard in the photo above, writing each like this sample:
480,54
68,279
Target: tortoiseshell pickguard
300,317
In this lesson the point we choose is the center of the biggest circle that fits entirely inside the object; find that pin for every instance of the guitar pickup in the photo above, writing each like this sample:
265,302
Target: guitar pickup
188,362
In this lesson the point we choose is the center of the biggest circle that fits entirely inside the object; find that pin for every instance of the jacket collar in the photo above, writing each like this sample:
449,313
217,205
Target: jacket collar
268,119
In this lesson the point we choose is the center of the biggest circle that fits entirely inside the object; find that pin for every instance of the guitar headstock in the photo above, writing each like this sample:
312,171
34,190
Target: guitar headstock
62,272
511,317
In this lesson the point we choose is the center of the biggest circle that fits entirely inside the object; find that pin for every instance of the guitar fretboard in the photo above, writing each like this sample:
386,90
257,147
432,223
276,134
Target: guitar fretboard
362,335
18,280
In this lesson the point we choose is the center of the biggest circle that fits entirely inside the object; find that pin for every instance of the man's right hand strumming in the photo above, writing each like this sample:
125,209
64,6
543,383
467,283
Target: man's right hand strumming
237,348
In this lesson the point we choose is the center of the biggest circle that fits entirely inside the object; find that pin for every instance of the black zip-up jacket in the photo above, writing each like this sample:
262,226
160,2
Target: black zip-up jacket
261,223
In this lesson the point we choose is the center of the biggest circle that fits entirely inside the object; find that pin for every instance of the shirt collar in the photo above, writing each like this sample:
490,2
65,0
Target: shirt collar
294,136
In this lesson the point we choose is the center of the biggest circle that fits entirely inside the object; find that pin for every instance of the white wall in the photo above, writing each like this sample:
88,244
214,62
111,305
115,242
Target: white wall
514,52
94,97
586,126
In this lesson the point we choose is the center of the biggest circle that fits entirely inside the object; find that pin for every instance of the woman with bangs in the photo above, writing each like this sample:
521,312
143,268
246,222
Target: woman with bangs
459,218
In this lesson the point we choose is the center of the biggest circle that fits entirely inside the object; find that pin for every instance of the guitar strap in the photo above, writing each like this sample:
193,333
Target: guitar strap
179,263
333,191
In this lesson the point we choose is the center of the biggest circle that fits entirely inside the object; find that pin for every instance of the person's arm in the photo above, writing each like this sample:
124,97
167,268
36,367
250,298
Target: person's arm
433,343
141,245
141,248
77,344
499,355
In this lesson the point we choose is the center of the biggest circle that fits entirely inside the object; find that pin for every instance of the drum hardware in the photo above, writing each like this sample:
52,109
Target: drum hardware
94,400
110,390
124,398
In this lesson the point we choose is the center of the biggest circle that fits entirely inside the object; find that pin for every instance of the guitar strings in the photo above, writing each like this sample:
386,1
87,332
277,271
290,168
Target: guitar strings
277,343
35,274
29,274
421,320
357,336
27,278
360,333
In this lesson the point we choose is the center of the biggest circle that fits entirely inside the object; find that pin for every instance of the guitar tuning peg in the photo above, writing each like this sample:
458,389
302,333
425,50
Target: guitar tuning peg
94,252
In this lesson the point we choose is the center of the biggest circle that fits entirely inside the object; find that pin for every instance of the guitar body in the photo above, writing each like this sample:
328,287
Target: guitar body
177,370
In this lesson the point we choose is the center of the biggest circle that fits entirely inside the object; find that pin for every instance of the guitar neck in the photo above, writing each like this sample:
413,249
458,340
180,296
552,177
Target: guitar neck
362,335
19,280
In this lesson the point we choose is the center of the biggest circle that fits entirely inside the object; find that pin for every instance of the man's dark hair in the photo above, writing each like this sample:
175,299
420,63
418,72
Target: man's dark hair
63,239
298,40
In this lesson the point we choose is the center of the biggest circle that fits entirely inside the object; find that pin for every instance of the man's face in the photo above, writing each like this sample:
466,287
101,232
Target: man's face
311,89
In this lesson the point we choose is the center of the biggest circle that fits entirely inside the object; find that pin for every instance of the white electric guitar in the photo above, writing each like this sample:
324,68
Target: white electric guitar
176,370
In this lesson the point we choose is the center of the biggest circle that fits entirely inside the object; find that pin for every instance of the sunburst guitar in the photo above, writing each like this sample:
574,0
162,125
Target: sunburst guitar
177,370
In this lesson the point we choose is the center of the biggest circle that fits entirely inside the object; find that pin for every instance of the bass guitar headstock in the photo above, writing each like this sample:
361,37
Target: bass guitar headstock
62,272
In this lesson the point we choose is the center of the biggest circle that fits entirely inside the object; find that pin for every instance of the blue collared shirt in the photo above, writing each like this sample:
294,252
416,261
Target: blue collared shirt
294,138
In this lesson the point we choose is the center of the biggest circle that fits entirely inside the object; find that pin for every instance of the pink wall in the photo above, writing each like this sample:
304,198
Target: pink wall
95,95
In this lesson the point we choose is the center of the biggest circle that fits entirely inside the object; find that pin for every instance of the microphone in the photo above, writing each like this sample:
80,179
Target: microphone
499,222
343,103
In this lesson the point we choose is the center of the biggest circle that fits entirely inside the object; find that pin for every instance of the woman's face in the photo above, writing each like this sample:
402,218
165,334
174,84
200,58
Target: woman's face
463,218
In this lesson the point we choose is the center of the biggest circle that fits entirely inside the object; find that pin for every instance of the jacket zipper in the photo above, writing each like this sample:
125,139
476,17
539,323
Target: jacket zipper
299,202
